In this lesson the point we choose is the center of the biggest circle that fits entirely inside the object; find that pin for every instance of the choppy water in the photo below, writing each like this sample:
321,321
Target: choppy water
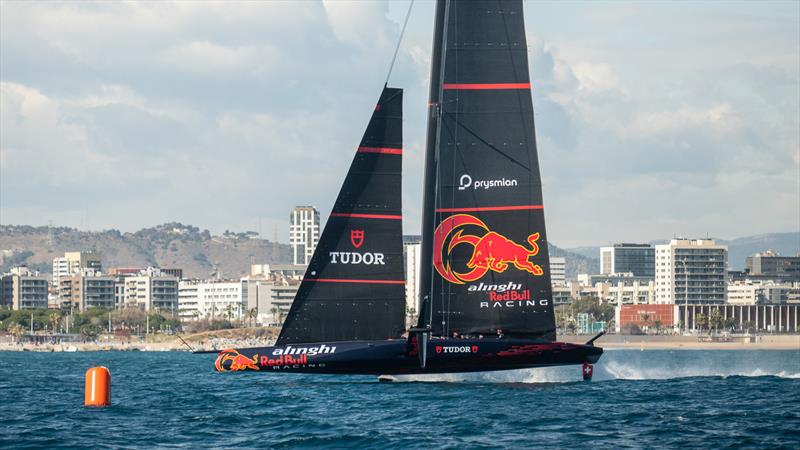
650,399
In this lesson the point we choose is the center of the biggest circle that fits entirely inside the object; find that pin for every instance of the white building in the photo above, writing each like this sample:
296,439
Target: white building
23,289
691,271
621,293
211,300
75,262
257,293
151,293
412,248
281,301
763,293
303,233
558,270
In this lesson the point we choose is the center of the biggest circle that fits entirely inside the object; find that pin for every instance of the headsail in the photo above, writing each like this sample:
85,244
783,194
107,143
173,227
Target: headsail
483,225
353,288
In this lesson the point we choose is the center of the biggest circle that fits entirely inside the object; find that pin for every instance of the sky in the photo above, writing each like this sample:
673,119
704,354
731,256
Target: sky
653,119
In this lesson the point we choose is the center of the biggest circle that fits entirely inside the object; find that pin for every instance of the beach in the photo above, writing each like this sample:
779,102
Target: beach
248,337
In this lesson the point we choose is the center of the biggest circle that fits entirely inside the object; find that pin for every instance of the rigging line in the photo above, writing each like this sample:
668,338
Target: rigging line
399,40
519,93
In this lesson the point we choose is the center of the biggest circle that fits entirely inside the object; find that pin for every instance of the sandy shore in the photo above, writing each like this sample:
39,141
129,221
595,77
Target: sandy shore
766,342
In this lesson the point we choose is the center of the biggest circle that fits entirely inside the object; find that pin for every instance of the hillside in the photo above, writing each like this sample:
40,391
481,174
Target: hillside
198,252
575,262
168,245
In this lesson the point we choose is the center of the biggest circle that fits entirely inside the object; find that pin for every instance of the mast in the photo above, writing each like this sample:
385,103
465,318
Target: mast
429,189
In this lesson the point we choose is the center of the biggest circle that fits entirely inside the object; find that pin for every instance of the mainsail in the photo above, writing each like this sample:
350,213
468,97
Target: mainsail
483,224
354,288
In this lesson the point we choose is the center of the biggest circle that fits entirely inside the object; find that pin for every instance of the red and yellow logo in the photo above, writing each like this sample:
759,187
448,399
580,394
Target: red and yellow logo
233,361
490,251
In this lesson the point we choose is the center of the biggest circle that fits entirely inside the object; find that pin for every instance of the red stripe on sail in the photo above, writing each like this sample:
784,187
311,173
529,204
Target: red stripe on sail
484,86
491,208
345,280
368,216
381,150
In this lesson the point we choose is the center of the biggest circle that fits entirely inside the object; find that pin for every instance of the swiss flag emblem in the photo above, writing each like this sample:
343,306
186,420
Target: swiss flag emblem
474,349
438,349
357,238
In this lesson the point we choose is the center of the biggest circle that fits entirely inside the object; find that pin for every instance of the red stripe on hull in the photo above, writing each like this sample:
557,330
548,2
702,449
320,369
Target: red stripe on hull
368,216
343,280
491,208
381,150
484,86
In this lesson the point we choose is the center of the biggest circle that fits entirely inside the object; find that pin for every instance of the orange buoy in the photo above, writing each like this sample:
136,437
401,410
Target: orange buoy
98,387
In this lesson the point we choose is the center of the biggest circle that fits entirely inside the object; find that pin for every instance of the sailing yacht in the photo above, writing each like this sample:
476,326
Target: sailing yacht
486,299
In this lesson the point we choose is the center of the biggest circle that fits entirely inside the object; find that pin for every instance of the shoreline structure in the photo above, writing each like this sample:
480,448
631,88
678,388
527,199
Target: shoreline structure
215,341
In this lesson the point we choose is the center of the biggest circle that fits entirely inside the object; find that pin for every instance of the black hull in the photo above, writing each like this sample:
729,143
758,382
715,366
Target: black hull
399,357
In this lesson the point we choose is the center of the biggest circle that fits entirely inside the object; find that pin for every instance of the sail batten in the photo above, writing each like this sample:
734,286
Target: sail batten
483,213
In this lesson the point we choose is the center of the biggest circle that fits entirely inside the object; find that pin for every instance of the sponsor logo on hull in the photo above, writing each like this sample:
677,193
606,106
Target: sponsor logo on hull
321,349
233,361
490,251
456,349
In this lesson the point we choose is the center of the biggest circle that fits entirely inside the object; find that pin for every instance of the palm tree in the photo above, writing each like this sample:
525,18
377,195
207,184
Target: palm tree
701,321
252,313
16,331
715,319
54,318
658,324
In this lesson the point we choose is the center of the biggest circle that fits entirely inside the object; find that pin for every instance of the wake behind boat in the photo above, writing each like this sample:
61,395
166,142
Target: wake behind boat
486,296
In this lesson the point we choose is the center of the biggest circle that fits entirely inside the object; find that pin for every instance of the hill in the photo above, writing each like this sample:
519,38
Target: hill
171,245
575,262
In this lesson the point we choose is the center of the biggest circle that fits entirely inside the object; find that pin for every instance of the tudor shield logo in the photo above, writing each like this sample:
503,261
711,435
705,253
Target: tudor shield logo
490,250
357,238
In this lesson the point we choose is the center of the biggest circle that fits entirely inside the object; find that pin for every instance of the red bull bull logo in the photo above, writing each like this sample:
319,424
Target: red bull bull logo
490,251
233,361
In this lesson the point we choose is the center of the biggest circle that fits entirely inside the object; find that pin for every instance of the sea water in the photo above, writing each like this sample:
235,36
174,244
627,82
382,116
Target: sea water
638,399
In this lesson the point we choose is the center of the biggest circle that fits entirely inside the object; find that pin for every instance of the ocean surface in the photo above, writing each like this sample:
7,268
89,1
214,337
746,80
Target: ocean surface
638,399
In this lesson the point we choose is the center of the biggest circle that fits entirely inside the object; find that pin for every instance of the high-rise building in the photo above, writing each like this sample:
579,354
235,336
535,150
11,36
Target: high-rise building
23,289
412,248
772,265
303,233
558,270
691,271
76,262
638,259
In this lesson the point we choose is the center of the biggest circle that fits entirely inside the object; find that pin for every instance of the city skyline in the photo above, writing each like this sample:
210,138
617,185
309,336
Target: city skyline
644,130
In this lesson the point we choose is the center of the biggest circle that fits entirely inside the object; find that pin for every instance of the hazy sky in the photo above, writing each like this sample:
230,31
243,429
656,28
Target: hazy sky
653,119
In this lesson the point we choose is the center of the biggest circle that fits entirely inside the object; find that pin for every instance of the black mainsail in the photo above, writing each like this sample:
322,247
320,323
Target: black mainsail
483,223
353,288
